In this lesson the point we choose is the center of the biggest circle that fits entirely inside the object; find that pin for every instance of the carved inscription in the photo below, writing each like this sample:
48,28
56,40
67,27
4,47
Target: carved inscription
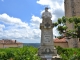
47,37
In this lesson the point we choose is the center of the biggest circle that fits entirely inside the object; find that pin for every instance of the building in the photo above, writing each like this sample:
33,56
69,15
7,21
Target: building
64,43
72,8
6,43
61,42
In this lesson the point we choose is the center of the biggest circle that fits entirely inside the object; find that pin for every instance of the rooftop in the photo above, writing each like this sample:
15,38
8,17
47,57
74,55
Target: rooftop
8,41
63,40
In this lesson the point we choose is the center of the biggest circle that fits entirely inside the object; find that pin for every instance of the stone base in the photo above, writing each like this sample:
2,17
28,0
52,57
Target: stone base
42,51
53,58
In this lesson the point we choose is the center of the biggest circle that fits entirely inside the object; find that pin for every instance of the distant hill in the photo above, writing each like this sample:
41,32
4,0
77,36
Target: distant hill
32,44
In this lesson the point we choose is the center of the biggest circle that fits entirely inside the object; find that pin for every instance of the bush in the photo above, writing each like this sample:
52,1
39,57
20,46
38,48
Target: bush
25,53
69,53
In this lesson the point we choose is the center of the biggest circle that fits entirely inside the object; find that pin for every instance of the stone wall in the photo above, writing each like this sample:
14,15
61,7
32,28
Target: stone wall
62,44
10,45
72,8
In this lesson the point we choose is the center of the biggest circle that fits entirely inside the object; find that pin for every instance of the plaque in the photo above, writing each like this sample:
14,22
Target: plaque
48,56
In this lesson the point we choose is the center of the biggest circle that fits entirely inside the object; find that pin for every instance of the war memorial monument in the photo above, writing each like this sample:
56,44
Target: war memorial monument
47,51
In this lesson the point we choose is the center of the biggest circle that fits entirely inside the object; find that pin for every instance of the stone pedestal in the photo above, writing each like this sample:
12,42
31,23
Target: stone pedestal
53,58
46,49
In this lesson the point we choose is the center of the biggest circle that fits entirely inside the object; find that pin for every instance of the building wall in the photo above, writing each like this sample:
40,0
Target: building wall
79,44
72,8
68,44
77,7
61,44
68,12
20,45
67,6
10,45
1,45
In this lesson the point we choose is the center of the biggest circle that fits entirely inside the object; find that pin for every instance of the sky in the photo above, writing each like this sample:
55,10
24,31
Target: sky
20,19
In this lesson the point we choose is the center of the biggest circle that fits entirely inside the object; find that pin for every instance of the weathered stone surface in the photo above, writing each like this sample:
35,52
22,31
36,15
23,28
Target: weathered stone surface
72,8
47,45
53,58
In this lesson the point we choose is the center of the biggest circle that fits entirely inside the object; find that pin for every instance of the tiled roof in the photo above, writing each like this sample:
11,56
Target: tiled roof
63,40
7,41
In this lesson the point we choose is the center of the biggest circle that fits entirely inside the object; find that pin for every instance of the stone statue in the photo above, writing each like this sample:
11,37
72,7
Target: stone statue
46,14
47,50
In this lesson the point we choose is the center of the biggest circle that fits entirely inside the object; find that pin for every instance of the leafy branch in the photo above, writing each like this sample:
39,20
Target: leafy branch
63,28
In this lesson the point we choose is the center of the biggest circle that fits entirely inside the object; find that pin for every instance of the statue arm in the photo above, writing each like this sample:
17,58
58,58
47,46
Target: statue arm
42,15
50,15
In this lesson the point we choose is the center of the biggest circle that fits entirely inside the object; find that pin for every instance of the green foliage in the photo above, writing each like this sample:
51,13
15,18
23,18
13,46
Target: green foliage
70,20
59,21
55,24
63,27
60,28
76,20
72,33
69,53
25,53
30,53
64,19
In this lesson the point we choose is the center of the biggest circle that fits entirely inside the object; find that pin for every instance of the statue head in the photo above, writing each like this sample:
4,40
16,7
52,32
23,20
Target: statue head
46,8
46,14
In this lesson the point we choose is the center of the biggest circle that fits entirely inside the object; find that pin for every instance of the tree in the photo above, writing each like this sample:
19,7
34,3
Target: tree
63,28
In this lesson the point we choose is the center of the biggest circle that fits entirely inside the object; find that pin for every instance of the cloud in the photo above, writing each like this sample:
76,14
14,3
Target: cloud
35,21
56,7
2,27
15,28
54,4
9,20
